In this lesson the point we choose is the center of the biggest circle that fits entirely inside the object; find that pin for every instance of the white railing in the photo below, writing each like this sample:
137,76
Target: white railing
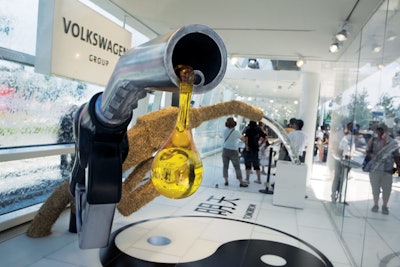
24,215
27,152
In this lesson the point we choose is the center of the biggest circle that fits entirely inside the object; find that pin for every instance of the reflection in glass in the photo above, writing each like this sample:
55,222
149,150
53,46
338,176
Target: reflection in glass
24,183
366,93
31,104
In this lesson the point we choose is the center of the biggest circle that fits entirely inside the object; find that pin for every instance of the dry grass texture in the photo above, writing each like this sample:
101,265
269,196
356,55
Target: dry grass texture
145,138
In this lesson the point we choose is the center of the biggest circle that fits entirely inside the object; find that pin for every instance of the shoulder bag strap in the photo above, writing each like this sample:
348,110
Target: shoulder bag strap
229,135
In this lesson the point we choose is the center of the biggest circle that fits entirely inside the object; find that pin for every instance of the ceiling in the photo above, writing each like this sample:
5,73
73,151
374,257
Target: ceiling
281,30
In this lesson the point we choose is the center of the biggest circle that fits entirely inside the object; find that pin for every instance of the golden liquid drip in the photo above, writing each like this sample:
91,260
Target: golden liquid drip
177,169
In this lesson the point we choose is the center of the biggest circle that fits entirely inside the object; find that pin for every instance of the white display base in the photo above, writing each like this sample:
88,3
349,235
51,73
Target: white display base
290,184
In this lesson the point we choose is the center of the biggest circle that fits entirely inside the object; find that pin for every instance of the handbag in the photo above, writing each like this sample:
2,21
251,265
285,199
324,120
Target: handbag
365,166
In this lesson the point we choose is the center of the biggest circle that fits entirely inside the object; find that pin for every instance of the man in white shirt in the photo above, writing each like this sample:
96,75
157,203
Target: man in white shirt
298,139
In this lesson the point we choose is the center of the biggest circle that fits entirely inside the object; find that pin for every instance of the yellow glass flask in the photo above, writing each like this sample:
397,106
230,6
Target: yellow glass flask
177,169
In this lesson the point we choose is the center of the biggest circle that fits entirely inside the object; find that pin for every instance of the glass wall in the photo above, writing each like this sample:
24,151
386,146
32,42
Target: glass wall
35,112
32,105
18,22
367,87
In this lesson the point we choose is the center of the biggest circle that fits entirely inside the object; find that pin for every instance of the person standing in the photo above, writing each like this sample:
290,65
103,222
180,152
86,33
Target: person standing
345,151
299,140
380,176
319,143
251,138
290,127
263,148
283,153
230,151
65,135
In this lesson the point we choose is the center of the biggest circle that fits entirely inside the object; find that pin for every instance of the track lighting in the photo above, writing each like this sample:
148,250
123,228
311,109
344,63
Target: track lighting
300,62
391,37
334,47
342,35
377,48
234,60
253,63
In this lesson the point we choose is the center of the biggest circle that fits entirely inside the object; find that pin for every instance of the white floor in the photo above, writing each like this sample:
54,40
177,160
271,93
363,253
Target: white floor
372,238
375,236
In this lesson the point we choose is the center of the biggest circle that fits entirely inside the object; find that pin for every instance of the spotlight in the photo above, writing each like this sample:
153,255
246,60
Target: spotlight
377,48
391,37
342,35
253,63
300,62
334,47
234,60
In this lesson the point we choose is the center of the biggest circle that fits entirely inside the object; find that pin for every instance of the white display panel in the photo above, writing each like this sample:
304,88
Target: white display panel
290,184
75,41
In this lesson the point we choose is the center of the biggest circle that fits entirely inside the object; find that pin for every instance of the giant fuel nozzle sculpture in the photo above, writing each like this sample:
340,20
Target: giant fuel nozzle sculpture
100,125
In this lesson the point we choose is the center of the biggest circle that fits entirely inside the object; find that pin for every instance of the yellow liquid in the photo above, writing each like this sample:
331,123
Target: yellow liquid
177,169
177,172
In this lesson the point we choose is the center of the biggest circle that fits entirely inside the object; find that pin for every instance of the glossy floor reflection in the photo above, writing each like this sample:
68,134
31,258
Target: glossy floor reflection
248,214
371,237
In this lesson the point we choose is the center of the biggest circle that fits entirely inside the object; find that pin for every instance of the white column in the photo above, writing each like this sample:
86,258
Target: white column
157,100
308,113
167,99
141,109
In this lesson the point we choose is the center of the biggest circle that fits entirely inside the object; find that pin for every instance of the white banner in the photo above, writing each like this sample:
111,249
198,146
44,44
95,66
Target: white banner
77,42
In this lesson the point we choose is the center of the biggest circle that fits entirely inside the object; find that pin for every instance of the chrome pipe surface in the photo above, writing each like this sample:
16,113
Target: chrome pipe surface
151,66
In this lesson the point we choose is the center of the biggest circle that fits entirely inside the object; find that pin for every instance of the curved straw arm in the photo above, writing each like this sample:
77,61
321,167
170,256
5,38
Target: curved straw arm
149,133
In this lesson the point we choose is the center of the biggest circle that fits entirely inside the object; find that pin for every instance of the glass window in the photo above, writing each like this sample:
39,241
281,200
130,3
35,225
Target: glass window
367,83
35,109
18,23
27,182
32,105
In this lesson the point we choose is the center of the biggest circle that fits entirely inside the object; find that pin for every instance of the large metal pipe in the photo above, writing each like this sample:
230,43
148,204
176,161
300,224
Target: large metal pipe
100,126
151,67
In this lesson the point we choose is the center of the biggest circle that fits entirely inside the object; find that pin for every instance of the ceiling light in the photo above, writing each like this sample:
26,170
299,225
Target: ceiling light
377,48
300,62
391,37
334,47
234,60
253,63
342,35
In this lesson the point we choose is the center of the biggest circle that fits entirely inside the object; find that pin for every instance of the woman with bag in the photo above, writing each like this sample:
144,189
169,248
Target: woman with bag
230,151
384,152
